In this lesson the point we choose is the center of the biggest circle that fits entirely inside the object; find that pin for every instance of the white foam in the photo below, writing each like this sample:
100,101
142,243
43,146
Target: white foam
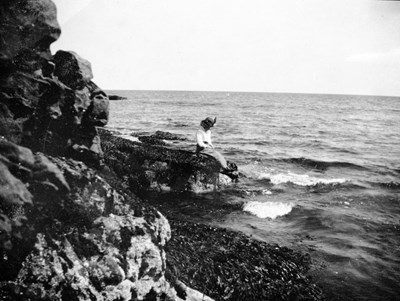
267,209
131,138
301,180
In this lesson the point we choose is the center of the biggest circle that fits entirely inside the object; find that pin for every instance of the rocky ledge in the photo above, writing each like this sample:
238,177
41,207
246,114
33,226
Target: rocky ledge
73,224
159,168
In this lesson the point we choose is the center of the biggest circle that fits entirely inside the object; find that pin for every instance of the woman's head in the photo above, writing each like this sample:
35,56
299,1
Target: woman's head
208,122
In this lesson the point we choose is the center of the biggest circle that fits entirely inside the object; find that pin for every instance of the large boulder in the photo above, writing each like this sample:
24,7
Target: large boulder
72,70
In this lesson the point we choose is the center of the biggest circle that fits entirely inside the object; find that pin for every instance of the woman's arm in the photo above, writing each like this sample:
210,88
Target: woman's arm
209,140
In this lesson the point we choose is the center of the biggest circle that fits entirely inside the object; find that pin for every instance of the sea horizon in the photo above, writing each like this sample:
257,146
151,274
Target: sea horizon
252,92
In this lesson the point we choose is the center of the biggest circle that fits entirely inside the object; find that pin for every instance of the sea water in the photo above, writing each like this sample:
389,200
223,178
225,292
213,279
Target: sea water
319,173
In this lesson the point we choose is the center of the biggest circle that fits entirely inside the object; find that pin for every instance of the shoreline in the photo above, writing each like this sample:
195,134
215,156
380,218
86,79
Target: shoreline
221,263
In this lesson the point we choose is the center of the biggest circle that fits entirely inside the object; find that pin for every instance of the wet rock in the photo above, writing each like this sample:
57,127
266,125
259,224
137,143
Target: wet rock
116,97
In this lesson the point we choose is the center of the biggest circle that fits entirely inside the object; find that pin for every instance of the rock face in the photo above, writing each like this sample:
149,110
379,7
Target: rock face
47,103
66,233
88,242
28,28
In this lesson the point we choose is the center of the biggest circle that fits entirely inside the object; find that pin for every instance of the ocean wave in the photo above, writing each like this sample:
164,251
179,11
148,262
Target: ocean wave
300,180
322,165
397,170
267,209
323,187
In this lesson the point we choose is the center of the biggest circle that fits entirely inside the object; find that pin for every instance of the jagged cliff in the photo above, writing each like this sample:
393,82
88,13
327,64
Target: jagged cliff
72,226
65,232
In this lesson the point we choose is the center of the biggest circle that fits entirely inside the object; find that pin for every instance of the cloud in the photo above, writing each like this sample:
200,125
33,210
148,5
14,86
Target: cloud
392,56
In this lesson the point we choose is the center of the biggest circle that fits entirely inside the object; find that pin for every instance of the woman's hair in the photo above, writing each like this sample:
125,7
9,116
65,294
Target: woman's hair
208,122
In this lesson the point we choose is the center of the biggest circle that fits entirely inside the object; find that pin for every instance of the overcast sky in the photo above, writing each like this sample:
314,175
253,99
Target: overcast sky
304,46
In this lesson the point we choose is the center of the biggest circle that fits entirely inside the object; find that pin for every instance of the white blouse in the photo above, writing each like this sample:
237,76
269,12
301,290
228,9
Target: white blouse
204,137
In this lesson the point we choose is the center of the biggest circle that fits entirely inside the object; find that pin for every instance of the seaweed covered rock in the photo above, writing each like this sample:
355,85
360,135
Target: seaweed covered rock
230,266
160,168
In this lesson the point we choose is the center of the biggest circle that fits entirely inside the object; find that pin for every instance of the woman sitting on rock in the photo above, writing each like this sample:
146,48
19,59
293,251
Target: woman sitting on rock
204,145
